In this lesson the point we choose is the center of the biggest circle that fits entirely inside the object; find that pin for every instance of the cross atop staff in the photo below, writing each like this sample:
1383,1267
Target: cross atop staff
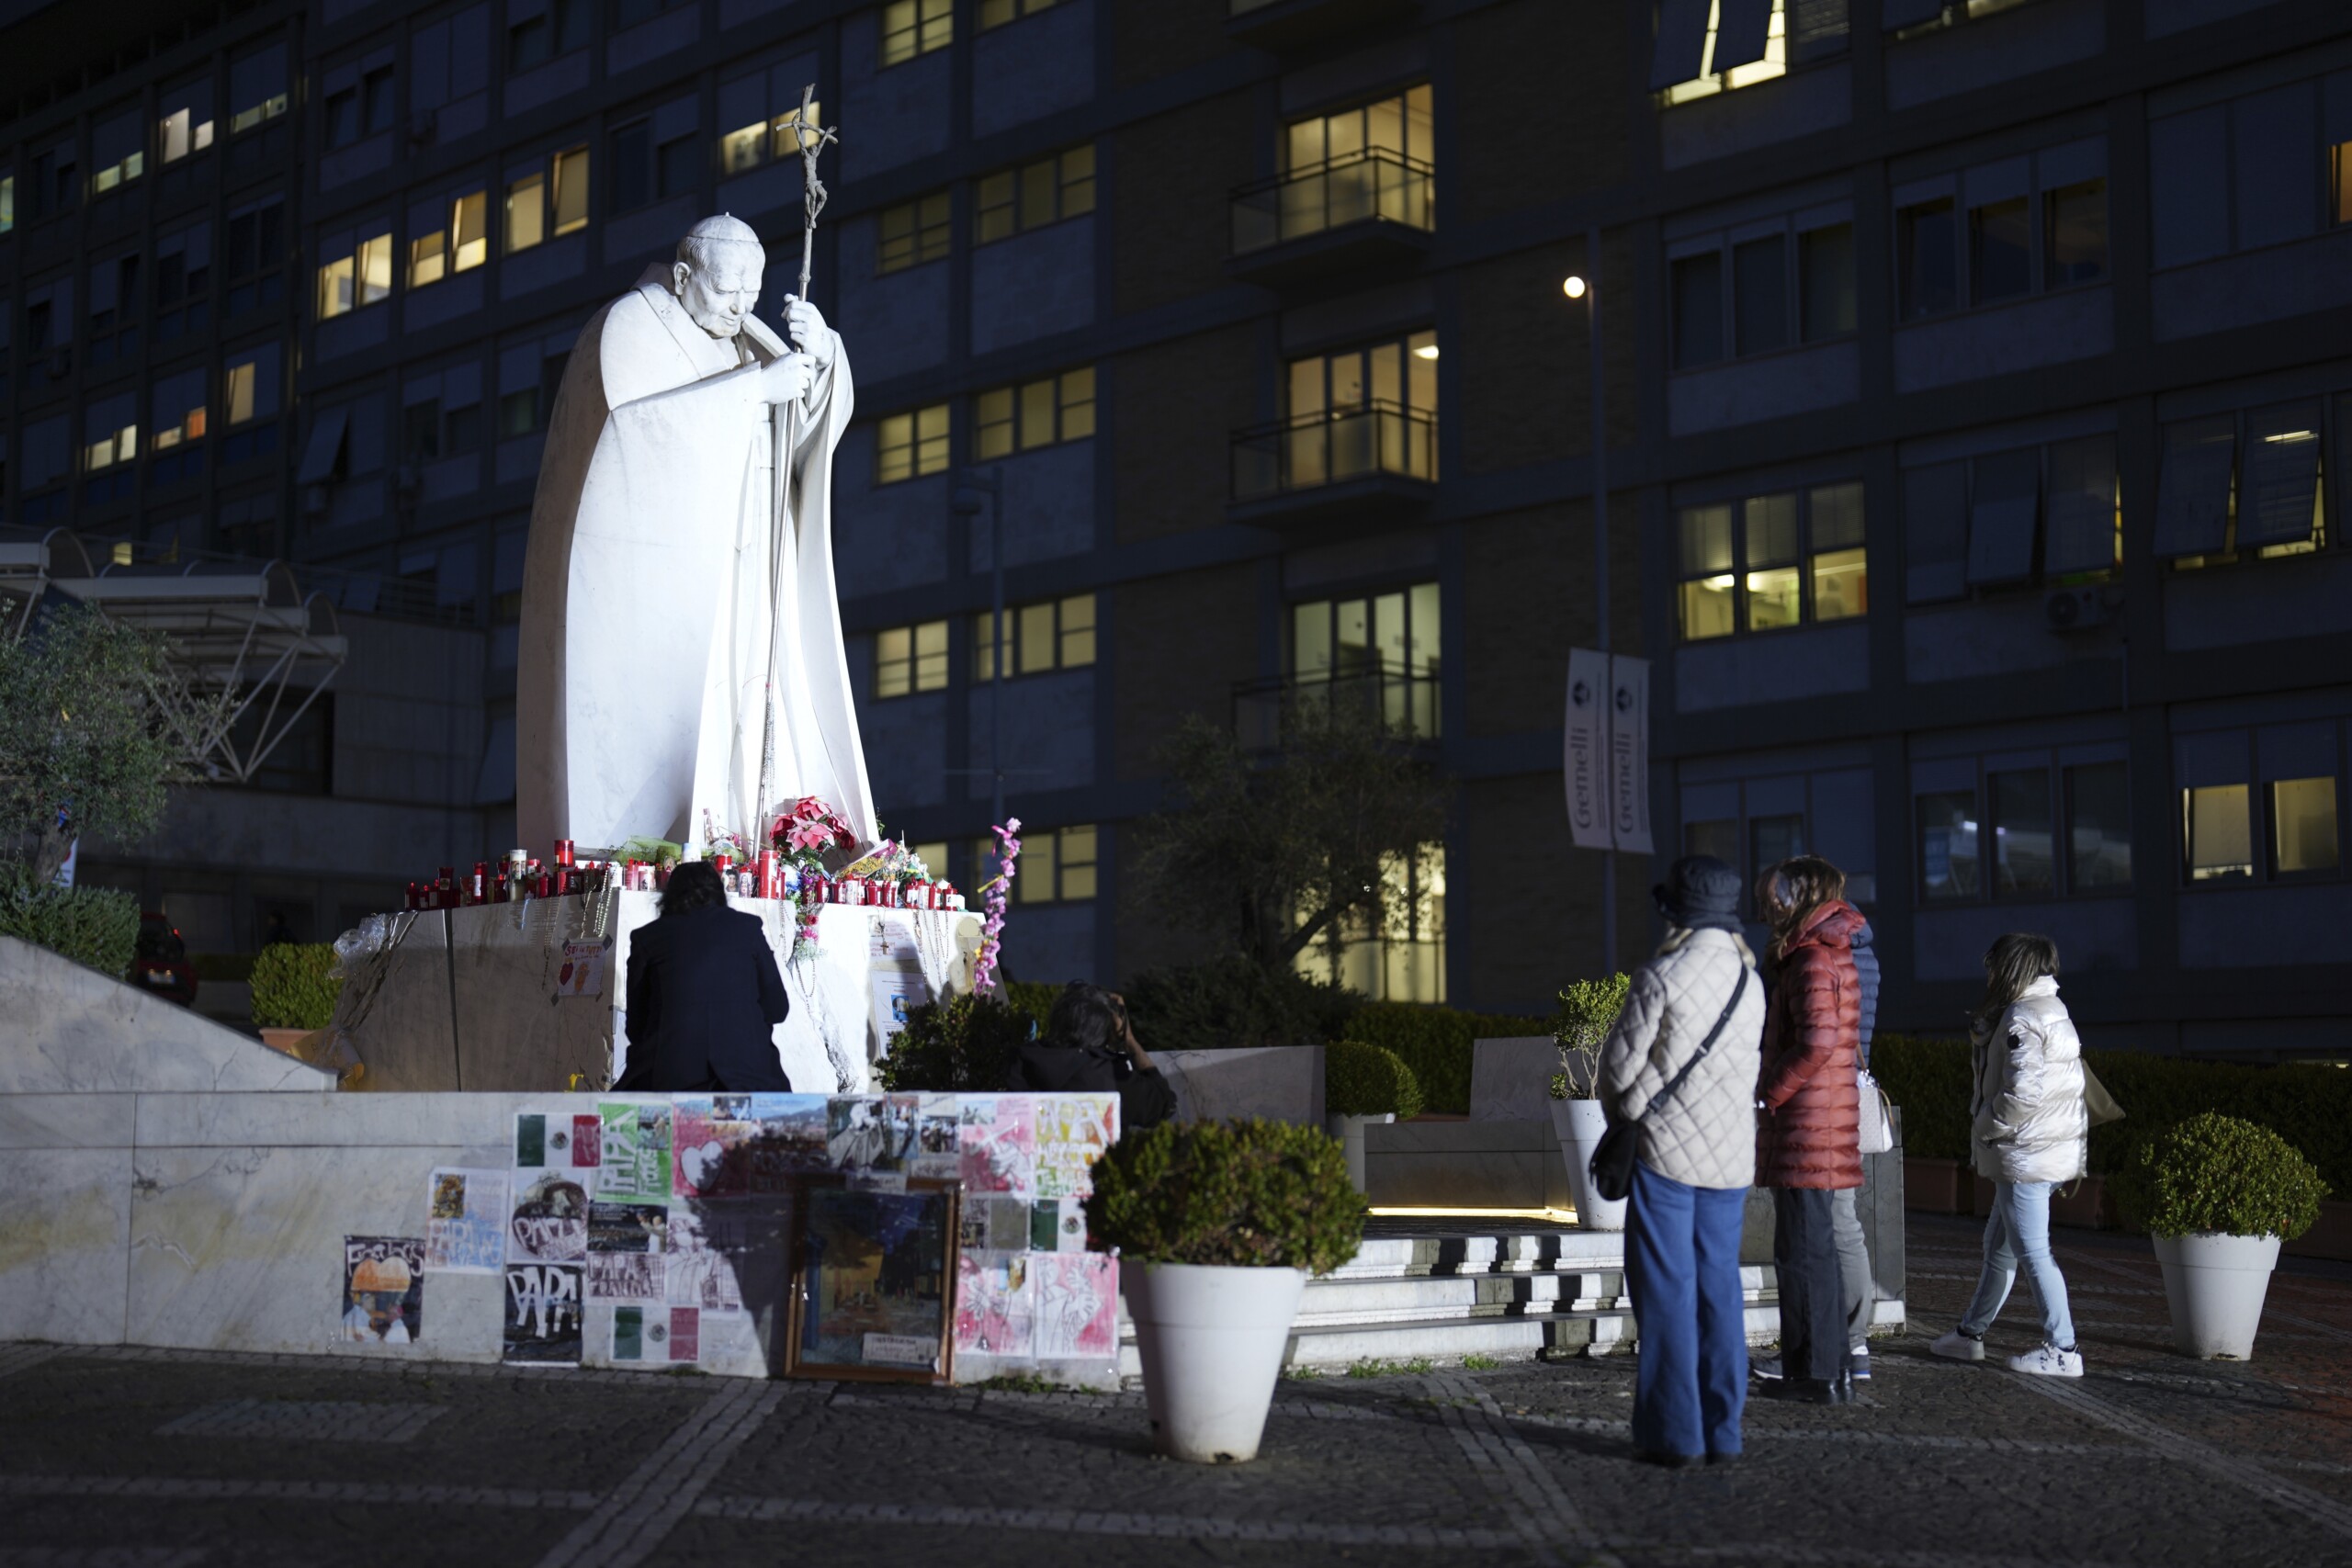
811,139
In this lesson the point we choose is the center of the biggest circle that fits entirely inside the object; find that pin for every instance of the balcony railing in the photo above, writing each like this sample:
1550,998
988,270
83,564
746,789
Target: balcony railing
1373,185
1404,698
1313,450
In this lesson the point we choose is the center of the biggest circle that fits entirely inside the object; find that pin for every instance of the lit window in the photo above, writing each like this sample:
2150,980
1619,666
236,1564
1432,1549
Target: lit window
911,28
571,190
118,152
1035,414
2217,833
1771,561
526,212
2303,826
1052,634
257,88
183,132
1373,161
1347,416
1379,654
1056,865
912,232
775,135
2339,183
1399,954
1014,201
353,276
249,386
110,433
910,659
910,446
7,203
178,410
997,13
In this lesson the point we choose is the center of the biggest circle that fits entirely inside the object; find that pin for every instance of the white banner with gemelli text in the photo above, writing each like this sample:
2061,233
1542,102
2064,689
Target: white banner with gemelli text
1606,756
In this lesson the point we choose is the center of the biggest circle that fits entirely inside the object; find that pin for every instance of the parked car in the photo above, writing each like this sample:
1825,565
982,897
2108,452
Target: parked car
160,962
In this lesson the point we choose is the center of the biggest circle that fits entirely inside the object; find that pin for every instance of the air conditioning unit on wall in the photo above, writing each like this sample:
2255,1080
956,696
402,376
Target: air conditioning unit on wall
2073,609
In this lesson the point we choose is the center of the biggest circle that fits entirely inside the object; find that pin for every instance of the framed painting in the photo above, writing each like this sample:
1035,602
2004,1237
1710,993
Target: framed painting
874,1282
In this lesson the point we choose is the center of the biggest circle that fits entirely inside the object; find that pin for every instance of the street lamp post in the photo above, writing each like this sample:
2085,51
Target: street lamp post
1588,289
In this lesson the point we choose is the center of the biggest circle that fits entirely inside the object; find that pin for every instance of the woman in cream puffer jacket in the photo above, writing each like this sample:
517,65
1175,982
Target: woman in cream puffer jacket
2028,1131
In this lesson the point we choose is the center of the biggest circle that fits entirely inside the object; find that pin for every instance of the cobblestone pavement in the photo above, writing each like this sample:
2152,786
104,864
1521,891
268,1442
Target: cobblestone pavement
169,1459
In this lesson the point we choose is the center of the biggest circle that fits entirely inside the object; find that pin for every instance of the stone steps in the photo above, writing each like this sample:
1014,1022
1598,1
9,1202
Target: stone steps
1501,1295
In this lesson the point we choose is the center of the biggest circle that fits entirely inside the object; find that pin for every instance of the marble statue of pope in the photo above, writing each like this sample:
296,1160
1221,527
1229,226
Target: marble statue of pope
674,616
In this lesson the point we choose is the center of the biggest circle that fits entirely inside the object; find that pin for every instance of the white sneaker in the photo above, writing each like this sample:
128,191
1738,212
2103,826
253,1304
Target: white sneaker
2049,1362
1958,1347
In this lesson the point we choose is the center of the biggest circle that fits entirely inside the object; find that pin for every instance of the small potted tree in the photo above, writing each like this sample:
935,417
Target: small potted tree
295,988
1218,1224
1363,1084
2217,1195
1587,1010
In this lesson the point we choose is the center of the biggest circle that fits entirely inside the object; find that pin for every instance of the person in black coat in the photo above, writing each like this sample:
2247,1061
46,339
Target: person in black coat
1091,1048
705,996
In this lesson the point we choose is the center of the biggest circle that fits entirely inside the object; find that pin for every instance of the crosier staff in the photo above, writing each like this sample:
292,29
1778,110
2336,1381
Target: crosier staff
811,139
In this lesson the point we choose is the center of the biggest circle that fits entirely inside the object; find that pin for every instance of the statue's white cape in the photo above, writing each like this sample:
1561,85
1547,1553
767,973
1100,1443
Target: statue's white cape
643,674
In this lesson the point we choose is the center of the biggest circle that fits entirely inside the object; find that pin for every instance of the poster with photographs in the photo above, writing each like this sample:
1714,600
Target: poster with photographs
465,1224
383,1290
793,1139
937,1154
867,1132
550,1224
543,1313
626,1252
699,1270
877,1285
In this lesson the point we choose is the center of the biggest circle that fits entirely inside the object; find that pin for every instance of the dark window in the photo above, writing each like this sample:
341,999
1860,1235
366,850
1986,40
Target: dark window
632,166
421,429
1760,293
2022,866
256,250
1825,265
2098,826
1698,310
2074,234
462,432
343,117
518,413
679,164
1947,853
2000,249
1929,257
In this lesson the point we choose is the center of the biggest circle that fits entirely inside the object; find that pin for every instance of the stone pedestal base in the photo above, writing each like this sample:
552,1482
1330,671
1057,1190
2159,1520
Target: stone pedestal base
532,996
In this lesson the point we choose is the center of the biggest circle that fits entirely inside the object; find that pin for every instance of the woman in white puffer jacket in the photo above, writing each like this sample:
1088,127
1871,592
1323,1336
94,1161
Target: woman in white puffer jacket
2029,1133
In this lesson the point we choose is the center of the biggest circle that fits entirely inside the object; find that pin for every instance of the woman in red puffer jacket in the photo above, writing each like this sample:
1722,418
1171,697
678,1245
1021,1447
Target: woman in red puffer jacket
1808,1142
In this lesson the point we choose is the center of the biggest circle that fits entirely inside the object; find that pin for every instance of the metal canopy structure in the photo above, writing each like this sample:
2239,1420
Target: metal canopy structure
243,629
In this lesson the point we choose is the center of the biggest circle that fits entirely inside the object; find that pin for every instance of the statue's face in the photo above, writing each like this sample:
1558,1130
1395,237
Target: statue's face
719,295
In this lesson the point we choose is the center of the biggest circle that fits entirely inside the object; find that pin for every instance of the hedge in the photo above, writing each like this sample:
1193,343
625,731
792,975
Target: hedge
97,926
1365,1080
294,987
1436,1043
2307,1103
965,1044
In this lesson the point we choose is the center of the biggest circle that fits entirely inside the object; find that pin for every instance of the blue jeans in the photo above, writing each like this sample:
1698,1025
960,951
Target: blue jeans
2019,1231
1682,1270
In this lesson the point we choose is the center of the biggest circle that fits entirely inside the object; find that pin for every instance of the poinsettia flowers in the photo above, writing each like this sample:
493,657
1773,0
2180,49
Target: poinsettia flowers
809,829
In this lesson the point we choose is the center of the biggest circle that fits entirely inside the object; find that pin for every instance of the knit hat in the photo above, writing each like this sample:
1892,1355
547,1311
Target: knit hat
1700,893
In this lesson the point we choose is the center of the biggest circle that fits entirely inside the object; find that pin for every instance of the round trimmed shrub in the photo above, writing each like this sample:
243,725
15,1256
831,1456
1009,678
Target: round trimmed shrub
2215,1173
1366,1080
294,986
1251,1194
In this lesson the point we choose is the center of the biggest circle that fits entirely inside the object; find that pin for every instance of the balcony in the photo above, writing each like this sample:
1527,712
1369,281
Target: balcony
1372,209
1404,698
1290,24
1376,463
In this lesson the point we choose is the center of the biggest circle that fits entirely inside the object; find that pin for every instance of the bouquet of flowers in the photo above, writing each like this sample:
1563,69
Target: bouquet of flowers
809,830
801,838
996,895
716,841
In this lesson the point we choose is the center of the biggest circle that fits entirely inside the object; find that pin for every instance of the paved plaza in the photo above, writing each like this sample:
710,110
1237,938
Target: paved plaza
154,1459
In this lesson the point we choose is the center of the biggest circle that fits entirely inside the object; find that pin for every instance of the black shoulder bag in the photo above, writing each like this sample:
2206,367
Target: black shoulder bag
1614,1157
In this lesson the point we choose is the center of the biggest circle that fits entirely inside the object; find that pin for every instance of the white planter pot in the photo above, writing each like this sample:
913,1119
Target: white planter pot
1348,1130
2216,1285
1212,1341
1579,1123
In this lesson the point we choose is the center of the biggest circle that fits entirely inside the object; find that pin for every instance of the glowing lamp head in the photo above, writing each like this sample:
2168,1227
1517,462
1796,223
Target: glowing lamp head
1573,287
